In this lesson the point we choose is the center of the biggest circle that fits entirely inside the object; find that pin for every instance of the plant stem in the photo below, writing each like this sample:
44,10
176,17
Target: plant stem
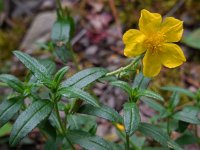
124,137
127,142
125,68
59,6
60,122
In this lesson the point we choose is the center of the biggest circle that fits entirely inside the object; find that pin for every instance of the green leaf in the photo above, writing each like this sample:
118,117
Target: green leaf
123,85
179,90
12,82
182,126
90,142
62,30
150,94
60,74
9,108
72,92
158,134
81,122
174,100
63,53
131,117
84,77
54,121
29,119
103,111
49,65
5,129
153,104
187,139
141,81
48,129
188,114
193,39
39,71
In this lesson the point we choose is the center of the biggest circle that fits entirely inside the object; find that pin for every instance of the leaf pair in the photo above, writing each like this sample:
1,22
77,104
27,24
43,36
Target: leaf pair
136,93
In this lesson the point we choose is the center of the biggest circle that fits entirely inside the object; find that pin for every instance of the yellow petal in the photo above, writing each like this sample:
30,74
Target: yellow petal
151,64
133,49
149,22
171,55
133,40
133,36
172,29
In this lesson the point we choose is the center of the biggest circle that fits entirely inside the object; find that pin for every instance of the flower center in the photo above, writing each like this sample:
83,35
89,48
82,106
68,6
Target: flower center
154,42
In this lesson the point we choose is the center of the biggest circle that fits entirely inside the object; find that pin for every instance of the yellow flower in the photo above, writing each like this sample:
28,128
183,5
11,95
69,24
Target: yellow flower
154,38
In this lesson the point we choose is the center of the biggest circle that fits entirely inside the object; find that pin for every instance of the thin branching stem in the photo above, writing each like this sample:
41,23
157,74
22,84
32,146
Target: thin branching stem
125,68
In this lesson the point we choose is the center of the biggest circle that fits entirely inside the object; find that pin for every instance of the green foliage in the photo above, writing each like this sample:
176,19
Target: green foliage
5,129
123,85
29,119
84,77
188,114
72,92
38,70
77,122
60,74
131,118
9,108
192,39
179,90
103,111
90,142
158,135
61,30
12,82
153,104
79,108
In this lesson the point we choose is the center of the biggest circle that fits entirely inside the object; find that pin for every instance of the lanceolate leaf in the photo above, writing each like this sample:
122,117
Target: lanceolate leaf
13,82
60,74
89,142
103,111
150,94
179,90
123,85
141,81
158,135
131,117
192,39
29,119
9,108
153,104
39,71
62,30
84,77
72,92
188,114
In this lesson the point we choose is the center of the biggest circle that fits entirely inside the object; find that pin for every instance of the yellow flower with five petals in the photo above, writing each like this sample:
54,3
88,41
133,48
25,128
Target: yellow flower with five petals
154,38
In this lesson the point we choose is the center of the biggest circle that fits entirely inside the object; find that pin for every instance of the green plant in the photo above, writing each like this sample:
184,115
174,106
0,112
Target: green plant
77,125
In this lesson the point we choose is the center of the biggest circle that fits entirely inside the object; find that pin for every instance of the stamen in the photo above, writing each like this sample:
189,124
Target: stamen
154,42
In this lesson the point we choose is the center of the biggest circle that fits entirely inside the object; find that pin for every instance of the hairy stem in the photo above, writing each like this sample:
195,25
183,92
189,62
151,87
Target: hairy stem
126,67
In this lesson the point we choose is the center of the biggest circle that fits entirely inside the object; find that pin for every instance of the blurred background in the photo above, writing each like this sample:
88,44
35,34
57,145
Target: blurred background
99,25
